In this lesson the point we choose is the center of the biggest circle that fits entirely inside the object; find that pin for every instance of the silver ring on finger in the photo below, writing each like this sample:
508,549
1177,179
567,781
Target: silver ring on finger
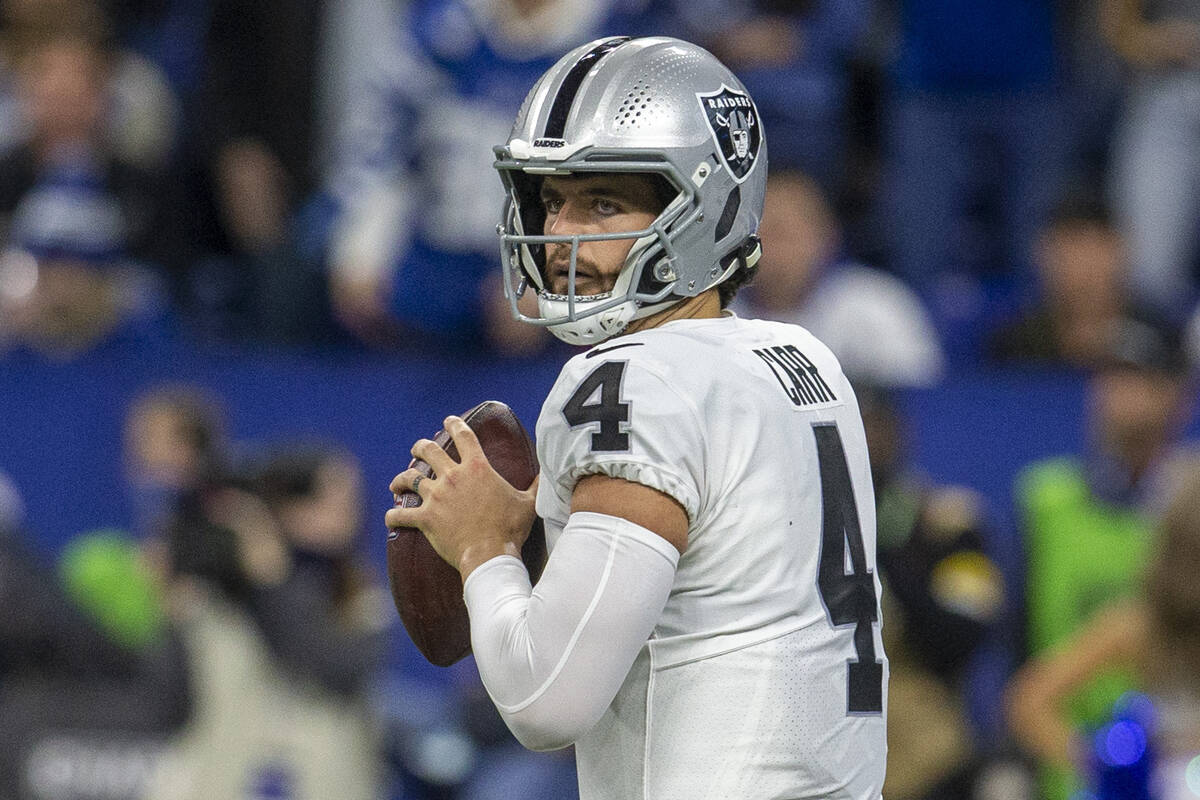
417,482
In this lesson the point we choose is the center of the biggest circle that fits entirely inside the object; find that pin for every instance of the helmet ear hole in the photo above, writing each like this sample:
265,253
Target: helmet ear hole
647,283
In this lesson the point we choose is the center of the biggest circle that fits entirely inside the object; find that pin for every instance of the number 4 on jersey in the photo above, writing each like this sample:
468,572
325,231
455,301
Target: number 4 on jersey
608,410
849,598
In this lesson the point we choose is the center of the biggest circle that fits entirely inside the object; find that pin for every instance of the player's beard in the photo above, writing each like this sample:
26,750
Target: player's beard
588,278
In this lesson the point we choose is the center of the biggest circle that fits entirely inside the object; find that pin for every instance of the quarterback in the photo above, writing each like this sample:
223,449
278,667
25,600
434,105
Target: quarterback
707,625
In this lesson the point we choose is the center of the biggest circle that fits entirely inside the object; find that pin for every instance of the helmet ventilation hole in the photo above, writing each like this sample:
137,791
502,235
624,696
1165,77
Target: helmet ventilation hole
639,102
640,106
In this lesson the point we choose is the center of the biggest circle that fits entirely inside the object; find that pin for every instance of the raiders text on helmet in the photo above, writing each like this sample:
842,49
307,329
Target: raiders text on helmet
651,105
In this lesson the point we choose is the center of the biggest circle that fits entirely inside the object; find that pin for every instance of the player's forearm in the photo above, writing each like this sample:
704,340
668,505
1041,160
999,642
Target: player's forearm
553,659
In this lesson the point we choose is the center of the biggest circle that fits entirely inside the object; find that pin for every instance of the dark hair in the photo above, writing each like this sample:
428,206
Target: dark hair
729,287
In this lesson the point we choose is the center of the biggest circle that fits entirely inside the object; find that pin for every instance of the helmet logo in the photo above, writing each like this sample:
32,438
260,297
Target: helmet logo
733,121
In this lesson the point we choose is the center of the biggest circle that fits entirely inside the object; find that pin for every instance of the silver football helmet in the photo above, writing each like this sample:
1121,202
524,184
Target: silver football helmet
649,105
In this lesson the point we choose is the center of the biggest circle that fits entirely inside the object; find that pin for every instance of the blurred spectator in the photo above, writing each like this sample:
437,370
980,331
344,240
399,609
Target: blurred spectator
170,34
254,164
316,495
414,249
1156,162
1155,636
794,58
1087,521
91,679
943,596
95,677
174,446
88,236
1081,263
141,115
973,150
285,632
261,96
1094,84
875,324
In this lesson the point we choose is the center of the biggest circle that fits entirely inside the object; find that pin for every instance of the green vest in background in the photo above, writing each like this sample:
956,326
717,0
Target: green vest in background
1082,553
104,574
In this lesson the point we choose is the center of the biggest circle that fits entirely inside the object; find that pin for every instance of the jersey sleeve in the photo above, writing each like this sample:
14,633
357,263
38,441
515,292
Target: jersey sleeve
621,417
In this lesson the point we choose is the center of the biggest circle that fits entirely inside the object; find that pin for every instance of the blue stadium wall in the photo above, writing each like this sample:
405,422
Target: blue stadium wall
62,430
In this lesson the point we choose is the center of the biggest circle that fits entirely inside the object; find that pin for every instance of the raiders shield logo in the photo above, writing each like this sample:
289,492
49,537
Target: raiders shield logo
733,120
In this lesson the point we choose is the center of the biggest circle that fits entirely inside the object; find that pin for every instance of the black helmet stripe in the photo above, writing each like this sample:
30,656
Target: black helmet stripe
556,123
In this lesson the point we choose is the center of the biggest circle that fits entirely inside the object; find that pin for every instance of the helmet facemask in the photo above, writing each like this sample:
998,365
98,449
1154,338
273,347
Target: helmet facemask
645,283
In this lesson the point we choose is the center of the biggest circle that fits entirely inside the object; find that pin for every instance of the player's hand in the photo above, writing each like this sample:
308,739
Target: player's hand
468,512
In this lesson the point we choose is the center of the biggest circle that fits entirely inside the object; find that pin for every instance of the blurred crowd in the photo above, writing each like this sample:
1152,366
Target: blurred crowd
954,186
318,174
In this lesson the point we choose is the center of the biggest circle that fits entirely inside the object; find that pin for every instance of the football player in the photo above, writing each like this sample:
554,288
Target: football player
707,625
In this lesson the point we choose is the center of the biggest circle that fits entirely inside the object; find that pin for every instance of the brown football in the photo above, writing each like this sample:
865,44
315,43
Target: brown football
428,591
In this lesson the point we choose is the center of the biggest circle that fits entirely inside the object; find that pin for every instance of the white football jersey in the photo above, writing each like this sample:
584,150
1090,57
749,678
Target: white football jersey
765,676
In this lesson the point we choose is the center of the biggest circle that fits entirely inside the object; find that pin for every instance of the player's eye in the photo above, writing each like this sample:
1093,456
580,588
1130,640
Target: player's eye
552,204
607,207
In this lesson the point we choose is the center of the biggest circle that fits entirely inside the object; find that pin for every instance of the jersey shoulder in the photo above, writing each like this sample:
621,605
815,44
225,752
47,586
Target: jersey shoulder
620,410
648,354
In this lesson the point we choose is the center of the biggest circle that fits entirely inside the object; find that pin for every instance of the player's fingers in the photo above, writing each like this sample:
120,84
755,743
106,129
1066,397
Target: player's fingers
407,481
464,438
400,517
428,451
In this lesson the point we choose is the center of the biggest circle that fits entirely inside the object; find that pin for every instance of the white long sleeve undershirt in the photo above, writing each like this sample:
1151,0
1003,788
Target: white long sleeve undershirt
553,658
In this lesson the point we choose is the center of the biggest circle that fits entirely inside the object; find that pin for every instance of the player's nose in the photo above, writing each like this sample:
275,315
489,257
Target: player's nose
570,219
